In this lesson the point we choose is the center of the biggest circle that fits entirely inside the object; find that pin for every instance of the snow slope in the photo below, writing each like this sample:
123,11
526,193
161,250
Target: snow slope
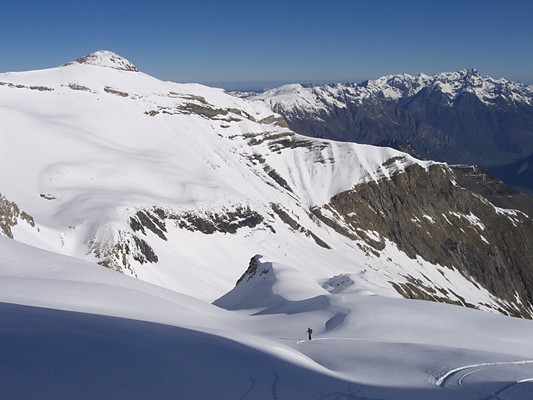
115,167
120,168
66,333
93,158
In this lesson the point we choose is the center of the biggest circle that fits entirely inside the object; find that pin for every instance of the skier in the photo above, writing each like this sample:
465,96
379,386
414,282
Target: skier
309,333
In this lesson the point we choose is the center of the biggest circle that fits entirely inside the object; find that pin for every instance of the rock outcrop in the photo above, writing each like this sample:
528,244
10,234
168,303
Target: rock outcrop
10,216
426,215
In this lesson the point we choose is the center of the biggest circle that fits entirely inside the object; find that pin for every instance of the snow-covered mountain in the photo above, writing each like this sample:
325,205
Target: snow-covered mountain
295,98
120,168
457,117
180,185
177,184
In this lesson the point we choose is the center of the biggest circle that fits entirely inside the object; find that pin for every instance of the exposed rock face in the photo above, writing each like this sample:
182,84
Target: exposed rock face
38,88
224,221
426,215
125,247
253,269
458,117
153,220
11,215
116,254
482,182
295,226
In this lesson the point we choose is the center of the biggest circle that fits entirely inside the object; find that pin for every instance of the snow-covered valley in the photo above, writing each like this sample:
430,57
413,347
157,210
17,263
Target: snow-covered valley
178,187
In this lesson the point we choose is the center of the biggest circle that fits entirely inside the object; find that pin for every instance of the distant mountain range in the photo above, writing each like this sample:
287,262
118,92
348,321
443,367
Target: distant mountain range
457,117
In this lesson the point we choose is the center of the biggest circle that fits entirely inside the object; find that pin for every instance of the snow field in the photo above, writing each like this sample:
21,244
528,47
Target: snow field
106,335
72,329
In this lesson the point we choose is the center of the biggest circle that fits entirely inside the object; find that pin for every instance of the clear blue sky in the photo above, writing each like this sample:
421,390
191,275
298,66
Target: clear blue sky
257,42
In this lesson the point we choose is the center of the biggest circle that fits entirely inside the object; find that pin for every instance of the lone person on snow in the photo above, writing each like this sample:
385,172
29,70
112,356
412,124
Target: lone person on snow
309,333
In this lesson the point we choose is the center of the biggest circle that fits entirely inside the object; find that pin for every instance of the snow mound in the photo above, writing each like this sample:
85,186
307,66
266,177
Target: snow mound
274,288
338,283
107,59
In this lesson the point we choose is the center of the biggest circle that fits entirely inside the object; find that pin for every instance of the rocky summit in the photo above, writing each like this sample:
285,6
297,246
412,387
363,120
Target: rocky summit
108,59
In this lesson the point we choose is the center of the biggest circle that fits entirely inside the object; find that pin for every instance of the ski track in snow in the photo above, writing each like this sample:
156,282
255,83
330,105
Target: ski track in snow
248,391
334,338
455,379
275,386
460,381
444,378
350,392
445,381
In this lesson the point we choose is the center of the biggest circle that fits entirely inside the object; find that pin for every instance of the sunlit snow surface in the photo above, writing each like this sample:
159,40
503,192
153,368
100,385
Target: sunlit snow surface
67,333
81,153
85,146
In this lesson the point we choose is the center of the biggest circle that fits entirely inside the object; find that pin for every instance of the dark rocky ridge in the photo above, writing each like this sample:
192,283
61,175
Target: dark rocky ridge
135,245
468,131
116,255
208,222
155,220
252,270
295,226
425,214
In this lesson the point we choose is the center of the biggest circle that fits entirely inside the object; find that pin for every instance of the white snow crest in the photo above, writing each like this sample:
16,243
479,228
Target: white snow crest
313,99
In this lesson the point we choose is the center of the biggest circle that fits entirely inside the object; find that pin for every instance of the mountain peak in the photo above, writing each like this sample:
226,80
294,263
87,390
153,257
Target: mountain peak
472,72
107,59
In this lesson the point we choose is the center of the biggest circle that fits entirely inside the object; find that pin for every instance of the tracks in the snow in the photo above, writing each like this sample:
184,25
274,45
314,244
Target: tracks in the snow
464,377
